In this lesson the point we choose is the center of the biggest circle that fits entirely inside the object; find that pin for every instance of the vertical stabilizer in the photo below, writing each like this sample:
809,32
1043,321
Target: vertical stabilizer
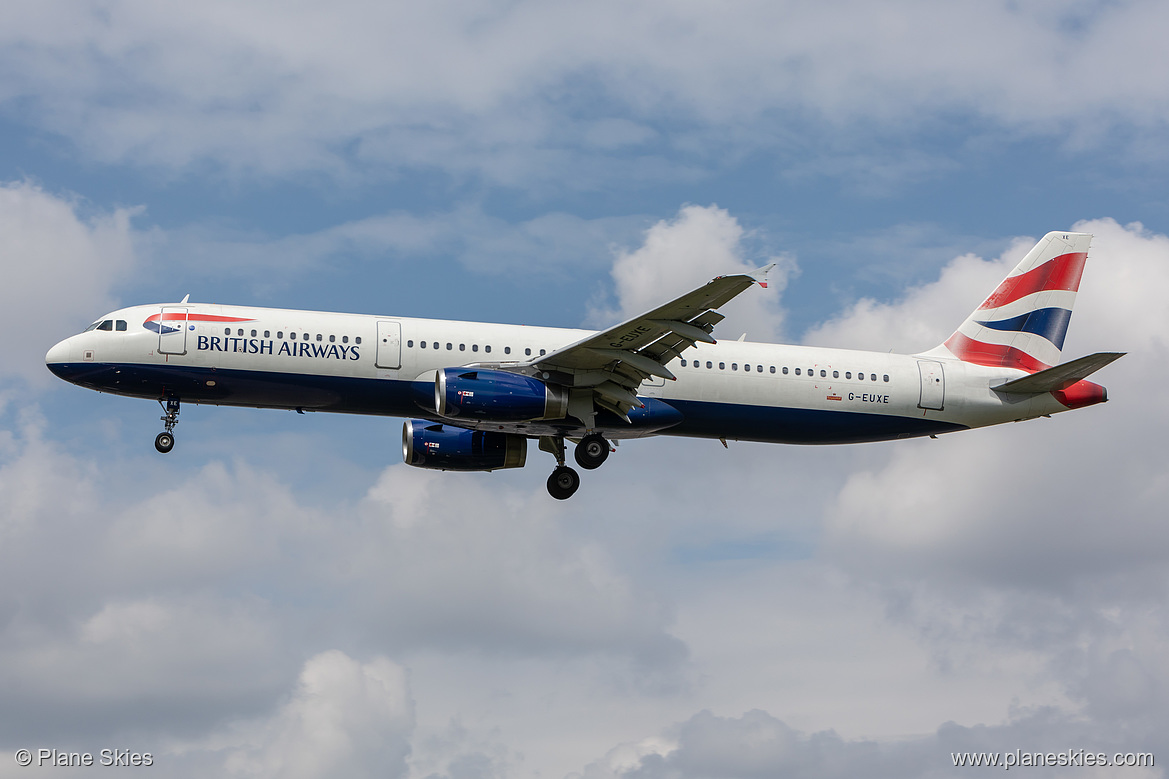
1023,322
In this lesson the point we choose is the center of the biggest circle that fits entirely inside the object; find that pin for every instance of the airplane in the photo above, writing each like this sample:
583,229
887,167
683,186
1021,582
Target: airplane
475,393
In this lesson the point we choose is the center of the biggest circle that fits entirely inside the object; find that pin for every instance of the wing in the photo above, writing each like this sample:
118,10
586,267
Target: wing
607,368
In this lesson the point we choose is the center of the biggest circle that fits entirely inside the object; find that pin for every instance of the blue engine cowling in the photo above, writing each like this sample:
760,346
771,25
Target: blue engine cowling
447,448
498,396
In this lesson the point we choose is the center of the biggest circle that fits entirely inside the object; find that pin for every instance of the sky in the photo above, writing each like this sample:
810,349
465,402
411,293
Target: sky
281,597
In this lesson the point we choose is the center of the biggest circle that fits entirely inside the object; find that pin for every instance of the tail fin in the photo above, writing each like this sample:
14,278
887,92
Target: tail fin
1023,322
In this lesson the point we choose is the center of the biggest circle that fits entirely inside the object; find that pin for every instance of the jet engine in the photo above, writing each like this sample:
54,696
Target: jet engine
448,448
500,396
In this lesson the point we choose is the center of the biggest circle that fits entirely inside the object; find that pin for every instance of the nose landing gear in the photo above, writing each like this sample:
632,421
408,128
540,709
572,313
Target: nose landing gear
165,441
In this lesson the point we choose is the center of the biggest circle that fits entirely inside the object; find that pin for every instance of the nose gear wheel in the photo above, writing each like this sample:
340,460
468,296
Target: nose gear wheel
165,441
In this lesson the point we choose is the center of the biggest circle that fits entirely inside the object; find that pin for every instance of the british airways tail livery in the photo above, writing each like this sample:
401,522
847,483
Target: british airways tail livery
474,393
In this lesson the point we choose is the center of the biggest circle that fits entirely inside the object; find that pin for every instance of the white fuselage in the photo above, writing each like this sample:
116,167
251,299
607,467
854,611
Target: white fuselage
349,363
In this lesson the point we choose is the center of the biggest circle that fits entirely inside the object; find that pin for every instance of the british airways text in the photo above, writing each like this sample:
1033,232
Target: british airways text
214,343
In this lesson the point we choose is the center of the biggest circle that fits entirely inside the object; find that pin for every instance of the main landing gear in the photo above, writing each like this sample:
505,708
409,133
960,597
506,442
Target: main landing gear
590,453
165,441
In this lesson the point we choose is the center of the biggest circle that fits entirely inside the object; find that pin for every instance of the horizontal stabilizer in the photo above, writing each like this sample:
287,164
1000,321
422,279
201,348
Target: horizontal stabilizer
1059,377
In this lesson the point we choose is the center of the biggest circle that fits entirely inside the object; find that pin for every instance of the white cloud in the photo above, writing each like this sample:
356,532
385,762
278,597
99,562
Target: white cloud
56,262
684,253
473,87
345,718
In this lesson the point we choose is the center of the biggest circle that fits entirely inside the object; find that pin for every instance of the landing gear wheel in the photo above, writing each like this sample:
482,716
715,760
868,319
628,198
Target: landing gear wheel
164,442
563,483
591,451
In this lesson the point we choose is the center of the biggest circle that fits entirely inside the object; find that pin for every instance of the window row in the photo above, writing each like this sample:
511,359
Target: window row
722,366
450,347
292,336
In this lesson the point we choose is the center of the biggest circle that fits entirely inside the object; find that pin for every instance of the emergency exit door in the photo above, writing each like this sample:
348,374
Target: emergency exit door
389,345
172,331
933,385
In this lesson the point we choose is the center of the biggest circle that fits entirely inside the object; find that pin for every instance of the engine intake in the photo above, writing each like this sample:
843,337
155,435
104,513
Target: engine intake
497,396
448,448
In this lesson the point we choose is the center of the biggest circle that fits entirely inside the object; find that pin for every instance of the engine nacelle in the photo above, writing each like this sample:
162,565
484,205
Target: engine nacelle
448,448
497,396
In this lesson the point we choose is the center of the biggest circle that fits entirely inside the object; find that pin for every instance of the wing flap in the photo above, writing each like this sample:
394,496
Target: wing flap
656,336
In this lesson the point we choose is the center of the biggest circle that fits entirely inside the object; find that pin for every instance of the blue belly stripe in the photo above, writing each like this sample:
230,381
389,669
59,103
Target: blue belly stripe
397,398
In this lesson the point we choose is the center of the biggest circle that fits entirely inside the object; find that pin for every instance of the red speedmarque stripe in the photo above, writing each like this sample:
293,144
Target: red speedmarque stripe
968,350
1063,272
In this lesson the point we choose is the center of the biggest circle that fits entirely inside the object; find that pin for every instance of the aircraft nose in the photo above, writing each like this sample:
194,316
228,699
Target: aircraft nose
56,358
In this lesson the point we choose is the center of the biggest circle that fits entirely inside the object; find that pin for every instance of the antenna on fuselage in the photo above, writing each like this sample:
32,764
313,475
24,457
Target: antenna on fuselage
186,297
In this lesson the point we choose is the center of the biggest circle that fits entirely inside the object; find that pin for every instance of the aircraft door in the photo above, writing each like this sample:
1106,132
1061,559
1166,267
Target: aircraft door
172,331
933,385
389,345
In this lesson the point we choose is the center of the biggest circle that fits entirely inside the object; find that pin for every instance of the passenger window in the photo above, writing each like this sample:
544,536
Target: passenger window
734,366
836,374
462,347
318,337
332,339
106,325
507,350
683,363
422,344
872,377
823,373
542,352
785,370
487,349
344,339
474,347
527,352
227,331
886,377
267,333
773,369
709,364
797,371
759,369
409,344
253,334
240,332
434,345
722,366
450,346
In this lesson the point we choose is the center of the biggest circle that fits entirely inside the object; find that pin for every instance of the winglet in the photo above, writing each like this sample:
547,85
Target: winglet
760,275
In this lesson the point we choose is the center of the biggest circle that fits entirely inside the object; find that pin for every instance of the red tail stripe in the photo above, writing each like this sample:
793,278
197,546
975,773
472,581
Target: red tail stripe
998,355
1062,272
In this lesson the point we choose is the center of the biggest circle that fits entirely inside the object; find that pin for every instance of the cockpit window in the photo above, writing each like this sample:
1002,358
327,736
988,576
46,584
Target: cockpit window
106,325
93,326
120,325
